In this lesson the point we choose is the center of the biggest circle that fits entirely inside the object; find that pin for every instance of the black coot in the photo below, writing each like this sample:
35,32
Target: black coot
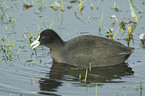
83,51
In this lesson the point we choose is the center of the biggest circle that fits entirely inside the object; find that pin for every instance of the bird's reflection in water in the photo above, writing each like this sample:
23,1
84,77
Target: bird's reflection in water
66,72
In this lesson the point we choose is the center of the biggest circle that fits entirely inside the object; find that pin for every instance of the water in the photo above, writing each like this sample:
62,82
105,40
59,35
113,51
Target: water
33,73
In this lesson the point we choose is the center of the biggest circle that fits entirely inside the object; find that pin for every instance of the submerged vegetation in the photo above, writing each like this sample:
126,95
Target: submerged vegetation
127,25
6,48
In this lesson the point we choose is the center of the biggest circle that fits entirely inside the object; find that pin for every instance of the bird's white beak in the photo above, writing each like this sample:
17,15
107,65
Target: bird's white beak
35,43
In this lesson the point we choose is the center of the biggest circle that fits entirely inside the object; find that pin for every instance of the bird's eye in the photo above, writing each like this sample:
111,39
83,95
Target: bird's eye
43,37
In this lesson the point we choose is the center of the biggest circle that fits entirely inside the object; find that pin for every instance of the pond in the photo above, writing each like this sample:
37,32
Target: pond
31,72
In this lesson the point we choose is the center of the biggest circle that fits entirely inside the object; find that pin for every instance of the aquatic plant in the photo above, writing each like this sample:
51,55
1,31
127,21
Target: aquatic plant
133,12
79,6
140,85
38,29
92,6
100,23
5,5
114,16
6,47
55,6
80,77
139,88
5,14
130,35
62,5
122,26
110,34
116,8
18,52
86,75
99,4
26,5
31,37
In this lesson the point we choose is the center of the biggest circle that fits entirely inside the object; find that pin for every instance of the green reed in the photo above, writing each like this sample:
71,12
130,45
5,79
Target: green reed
79,6
133,11
100,23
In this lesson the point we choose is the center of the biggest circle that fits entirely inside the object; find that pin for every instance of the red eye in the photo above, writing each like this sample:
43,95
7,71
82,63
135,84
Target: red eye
43,37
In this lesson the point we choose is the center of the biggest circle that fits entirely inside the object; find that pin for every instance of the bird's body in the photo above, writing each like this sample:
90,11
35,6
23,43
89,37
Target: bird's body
86,50
94,51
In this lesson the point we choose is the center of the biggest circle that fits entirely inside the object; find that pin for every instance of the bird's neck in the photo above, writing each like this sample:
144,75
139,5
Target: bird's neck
58,54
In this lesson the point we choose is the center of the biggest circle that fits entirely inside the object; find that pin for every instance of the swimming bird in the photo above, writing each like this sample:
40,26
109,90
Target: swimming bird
83,51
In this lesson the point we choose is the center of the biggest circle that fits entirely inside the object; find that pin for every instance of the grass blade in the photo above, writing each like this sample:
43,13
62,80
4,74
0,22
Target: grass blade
133,11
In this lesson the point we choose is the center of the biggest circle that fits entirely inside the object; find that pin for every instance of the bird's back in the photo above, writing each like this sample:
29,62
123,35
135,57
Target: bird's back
94,51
